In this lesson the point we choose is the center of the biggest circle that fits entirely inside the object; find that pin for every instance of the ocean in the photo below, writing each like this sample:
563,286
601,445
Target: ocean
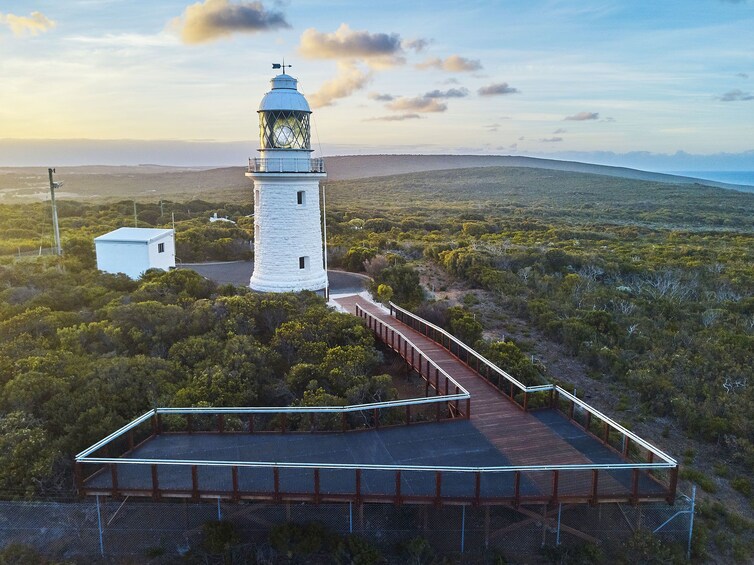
732,177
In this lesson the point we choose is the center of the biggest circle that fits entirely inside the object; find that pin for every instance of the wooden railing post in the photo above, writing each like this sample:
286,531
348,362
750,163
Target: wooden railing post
251,423
194,482
358,485
234,476
673,485
634,486
190,423
526,401
316,486
595,480
221,423
276,483
114,478
555,479
155,483
477,487
517,488
398,487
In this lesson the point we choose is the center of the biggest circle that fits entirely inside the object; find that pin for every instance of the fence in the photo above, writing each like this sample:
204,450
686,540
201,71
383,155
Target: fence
631,447
135,528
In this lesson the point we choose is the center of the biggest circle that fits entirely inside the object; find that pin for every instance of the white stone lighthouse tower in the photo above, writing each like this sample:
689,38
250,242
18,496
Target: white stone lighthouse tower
287,220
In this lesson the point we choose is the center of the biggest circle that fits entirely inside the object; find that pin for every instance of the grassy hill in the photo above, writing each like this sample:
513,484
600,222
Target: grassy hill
153,182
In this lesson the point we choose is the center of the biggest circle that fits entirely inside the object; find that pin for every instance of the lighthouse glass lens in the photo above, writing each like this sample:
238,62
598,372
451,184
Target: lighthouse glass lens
284,129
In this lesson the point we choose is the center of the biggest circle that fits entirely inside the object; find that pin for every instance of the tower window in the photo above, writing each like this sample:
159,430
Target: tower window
160,248
303,262
301,197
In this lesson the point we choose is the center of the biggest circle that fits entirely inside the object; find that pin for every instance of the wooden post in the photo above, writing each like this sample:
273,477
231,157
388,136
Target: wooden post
251,423
626,444
517,489
194,482
438,487
588,422
190,423
555,478
276,482
595,479
234,476
606,438
571,410
634,486
221,423
114,478
398,487
477,487
673,485
155,483
78,477
358,485
283,421
316,486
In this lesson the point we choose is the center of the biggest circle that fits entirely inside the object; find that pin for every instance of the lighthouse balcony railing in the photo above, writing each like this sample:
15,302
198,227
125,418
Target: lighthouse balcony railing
287,165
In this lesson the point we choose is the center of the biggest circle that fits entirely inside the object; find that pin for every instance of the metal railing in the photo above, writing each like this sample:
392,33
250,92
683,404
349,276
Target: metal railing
318,481
559,398
419,361
314,481
280,165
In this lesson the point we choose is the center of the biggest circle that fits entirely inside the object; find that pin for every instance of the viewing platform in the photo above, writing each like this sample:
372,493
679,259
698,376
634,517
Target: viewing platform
477,436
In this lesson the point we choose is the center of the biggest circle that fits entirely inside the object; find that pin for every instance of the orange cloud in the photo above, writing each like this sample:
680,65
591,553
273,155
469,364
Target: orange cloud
33,24
349,79
213,19
378,50
453,64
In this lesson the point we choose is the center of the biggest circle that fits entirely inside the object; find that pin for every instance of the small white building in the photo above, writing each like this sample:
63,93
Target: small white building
135,250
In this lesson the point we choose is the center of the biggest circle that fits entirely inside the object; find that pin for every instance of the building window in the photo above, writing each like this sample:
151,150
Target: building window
160,248
303,262
301,197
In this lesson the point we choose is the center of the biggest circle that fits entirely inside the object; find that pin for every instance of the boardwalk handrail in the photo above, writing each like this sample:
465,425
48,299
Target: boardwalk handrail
442,371
541,388
471,351
377,467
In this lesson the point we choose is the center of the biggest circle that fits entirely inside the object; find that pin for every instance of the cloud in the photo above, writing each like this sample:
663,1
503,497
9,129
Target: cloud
736,95
418,104
450,93
33,24
416,45
399,118
492,127
497,89
583,117
559,130
551,140
742,75
213,19
380,50
453,64
381,97
349,79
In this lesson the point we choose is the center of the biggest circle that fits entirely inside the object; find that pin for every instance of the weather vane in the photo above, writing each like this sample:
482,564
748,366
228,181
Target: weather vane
279,65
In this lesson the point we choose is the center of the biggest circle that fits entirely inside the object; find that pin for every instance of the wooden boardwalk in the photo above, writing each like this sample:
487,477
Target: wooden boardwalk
519,435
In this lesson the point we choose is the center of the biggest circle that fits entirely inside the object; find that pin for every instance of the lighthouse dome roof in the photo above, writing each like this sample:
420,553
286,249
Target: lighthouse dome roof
284,96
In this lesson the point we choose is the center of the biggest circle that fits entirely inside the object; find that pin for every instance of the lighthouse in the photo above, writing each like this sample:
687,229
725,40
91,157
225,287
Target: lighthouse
287,222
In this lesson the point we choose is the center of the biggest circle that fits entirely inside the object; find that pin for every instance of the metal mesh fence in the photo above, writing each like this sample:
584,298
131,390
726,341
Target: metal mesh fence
137,529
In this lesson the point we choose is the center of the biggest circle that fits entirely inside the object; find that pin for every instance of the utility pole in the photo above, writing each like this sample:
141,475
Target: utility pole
136,217
56,227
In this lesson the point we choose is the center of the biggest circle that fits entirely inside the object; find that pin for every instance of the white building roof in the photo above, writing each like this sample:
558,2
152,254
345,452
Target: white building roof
134,235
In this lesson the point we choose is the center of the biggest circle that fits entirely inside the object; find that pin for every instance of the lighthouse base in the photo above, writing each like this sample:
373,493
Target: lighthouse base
263,284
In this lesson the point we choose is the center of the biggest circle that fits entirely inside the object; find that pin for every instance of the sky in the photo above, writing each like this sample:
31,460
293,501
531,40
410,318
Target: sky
657,85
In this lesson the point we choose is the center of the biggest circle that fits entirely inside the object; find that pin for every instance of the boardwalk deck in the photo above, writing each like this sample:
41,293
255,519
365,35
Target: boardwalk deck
423,462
